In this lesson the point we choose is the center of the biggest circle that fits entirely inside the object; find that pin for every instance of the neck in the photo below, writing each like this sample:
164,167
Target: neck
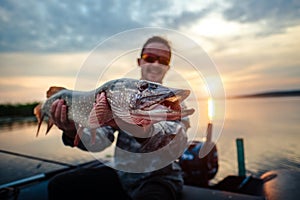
150,80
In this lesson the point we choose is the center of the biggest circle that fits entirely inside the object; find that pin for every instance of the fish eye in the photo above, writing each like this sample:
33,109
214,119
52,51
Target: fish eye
143,86
153,86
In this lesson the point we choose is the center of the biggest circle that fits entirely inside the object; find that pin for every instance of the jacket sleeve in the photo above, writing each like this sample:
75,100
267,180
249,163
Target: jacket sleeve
104,138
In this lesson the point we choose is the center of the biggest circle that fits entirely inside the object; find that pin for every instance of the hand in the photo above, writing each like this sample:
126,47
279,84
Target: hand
60,118
102,115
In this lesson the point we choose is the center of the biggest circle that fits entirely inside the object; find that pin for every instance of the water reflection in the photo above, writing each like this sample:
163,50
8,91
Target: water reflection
9,123
21,137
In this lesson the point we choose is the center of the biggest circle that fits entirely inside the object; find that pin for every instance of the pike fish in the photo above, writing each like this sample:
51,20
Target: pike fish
130,100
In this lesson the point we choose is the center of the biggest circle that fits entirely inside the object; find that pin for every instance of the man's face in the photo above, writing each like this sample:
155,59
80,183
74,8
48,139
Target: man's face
154,62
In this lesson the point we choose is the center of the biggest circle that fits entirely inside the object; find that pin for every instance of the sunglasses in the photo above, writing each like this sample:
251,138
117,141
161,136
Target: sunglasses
150,58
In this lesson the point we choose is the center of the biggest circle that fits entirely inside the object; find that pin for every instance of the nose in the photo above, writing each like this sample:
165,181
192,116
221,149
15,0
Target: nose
156,62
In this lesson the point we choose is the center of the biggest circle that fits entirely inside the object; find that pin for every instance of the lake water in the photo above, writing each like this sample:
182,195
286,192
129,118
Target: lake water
269,127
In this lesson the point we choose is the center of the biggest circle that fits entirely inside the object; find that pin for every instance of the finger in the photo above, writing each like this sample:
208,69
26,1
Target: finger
63,114
58,110
112,123
102,106
57,114
146,122
93,121
100,96
53,108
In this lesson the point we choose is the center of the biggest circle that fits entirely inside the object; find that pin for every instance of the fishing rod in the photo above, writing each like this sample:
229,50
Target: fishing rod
43,176
37,158
35,177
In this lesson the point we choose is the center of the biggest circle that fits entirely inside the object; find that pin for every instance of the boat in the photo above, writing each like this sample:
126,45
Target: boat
272,185
268,187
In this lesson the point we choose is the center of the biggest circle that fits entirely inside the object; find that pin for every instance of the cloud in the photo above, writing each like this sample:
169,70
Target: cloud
273,16
184,19
51,26
60,25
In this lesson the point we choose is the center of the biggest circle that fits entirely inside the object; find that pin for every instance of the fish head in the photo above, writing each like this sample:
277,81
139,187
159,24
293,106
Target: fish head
137,100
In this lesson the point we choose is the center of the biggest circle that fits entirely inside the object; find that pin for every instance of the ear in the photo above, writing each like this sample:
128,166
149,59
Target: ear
139,62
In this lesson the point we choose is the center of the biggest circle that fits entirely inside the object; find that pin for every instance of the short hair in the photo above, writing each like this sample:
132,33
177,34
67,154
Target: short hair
157,39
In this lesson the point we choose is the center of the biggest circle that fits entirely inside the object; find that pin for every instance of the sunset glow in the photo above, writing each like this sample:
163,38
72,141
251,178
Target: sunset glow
210,109
253,48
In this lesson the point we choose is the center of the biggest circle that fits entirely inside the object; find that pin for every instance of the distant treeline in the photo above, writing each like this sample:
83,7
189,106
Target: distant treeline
17,110
272,94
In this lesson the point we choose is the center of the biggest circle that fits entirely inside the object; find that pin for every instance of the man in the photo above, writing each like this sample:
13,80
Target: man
165,183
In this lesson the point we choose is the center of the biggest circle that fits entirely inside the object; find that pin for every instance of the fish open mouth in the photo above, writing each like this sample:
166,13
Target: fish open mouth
167,108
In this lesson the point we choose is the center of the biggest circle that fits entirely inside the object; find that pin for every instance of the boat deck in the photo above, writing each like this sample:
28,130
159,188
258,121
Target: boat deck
276,185
38,190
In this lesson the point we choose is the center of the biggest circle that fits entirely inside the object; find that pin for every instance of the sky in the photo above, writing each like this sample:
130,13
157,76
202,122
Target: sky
252,45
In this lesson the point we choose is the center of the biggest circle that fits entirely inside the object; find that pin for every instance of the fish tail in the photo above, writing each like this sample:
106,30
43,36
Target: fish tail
51,91
38,109
38,114
49,125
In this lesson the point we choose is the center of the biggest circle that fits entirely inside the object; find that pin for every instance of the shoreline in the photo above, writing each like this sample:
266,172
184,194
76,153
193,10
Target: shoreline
291,93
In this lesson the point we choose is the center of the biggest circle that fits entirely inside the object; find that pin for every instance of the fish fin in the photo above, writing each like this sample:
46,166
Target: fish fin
54,89
76,140
78,136
38,114
93,135
49,125
39,125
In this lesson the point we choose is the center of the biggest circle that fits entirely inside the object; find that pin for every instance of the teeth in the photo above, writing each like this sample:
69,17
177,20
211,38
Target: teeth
158,107
150,107
156,112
